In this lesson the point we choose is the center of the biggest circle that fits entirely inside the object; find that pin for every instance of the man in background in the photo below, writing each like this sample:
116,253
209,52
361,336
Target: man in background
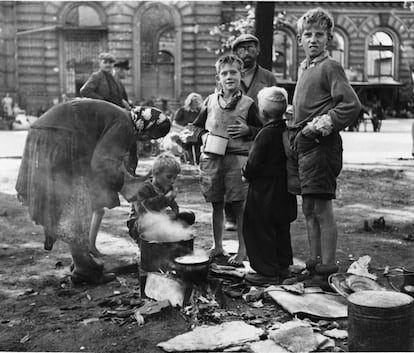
103,85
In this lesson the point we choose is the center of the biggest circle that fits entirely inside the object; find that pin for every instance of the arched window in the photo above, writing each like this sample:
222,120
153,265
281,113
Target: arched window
381,55
158,48
82,16
336,48
84,36
282,57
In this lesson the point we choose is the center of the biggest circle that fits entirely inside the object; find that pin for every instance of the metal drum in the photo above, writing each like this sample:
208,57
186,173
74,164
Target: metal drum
380,321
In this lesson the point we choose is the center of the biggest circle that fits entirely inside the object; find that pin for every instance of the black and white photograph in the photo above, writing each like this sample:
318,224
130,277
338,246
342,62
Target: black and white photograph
206,176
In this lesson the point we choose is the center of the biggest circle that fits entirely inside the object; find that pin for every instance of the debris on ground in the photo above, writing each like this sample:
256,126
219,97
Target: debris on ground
151,307
297,288
253,295
312,302
165,287
296,336
267,346
336,333
360,267
204,303
219,270
408,237
213,338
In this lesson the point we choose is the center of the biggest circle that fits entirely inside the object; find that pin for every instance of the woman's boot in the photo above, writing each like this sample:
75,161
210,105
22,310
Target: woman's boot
86,269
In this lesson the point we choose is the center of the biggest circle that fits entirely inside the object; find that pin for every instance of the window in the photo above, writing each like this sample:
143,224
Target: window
83,16
158,49
83,37
282,55
336,48
380,61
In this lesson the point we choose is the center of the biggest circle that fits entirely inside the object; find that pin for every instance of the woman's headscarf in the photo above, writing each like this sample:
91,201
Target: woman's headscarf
150,121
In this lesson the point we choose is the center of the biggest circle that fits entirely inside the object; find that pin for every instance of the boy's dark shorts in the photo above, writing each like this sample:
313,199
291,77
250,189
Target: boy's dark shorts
319,164
221,178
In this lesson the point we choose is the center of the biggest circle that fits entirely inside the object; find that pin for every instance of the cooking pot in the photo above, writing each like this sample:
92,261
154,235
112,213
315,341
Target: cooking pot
156,256
192,268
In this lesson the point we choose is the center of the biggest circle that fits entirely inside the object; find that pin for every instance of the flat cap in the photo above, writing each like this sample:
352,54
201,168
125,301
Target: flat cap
107,56
122,64
244,38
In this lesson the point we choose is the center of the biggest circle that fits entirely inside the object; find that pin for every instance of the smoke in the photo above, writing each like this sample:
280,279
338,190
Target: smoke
159,227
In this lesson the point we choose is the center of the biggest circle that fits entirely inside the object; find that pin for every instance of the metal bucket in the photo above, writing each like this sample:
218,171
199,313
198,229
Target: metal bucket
159,256
216,144
379,321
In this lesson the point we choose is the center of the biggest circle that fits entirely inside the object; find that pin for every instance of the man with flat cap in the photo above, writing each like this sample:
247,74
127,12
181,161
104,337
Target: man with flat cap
102,84
254,78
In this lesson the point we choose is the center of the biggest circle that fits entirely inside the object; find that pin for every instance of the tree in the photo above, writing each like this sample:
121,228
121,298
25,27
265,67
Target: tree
264,16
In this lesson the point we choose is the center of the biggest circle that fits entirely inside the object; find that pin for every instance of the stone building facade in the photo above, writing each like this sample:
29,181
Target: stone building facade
49,48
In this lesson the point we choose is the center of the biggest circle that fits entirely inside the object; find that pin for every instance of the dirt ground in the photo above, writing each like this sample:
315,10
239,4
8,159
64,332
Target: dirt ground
42,311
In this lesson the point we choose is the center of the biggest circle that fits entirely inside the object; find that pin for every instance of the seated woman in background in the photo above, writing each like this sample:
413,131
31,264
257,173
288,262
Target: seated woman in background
184,116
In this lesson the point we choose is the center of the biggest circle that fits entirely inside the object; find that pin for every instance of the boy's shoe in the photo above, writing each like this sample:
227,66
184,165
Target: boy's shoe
300,277
261,280
306,274
311,264
285,274
230,226
320,279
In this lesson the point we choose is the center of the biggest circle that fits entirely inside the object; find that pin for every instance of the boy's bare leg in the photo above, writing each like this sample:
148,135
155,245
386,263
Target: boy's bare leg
238,209
313,227
97,216
218,224
328,230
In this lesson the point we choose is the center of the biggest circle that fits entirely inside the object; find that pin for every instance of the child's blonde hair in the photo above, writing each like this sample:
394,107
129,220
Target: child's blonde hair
228,59
166,161
190,97
272,100
319,17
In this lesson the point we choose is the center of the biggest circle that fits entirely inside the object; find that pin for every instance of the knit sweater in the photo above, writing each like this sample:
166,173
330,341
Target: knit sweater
323,88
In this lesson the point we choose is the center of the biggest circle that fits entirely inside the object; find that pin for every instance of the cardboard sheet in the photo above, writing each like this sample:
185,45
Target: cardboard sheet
213,338
316,304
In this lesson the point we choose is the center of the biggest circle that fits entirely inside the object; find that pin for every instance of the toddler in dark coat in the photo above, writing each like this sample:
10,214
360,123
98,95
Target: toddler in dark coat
269,207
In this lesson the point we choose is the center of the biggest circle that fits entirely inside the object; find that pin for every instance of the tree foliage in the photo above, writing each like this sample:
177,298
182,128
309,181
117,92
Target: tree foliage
409,5
227,32
245,23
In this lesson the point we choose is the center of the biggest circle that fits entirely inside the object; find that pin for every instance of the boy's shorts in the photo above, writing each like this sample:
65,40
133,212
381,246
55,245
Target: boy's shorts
319,164
220,177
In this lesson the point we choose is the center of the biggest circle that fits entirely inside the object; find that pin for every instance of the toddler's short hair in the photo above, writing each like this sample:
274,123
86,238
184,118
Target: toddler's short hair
166,160
316,16
228,59
272,100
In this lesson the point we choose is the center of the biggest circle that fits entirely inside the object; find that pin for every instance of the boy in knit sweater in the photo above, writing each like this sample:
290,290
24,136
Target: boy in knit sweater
232,116
324,103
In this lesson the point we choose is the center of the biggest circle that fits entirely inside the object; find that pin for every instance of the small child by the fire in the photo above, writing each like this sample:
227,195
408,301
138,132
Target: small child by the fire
157,195
270,208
